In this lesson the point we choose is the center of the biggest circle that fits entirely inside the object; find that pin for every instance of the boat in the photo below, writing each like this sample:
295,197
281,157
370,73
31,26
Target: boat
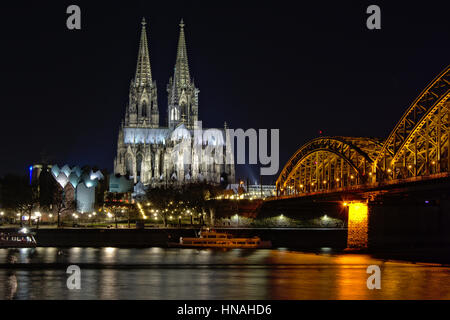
17,239
211,239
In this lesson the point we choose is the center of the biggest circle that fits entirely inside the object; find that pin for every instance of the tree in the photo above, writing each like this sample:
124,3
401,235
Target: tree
197,195
119,205
20,195
193,197
60,204
163,201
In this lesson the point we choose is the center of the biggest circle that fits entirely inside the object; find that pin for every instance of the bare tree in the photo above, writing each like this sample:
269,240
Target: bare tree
194,197
61,205
162,199
20,195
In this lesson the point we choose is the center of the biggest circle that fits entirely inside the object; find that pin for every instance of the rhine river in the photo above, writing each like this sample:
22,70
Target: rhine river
161,273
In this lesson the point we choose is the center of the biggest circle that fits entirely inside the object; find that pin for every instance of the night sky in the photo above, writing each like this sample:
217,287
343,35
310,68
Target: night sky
302,69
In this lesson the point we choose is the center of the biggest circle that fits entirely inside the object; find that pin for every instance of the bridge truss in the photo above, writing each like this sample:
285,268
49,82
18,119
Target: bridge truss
328,163
418,146
419,143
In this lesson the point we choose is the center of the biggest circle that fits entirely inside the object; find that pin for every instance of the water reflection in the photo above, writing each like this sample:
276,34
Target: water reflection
10,286
157,273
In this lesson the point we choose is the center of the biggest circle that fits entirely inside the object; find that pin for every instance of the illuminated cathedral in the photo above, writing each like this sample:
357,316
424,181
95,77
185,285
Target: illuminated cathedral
181,151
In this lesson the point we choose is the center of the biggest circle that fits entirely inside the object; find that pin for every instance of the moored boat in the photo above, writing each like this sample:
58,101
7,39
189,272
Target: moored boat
211,239
17,239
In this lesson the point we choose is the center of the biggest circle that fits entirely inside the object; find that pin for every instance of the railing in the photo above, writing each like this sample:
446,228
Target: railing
363,186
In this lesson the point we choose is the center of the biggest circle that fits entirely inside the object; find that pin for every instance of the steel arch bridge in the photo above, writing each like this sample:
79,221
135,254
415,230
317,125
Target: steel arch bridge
418,146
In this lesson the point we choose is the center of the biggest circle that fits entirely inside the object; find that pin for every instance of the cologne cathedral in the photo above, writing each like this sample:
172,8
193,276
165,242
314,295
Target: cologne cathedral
181,151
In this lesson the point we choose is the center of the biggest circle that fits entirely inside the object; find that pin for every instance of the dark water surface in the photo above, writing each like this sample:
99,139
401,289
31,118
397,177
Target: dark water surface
157,273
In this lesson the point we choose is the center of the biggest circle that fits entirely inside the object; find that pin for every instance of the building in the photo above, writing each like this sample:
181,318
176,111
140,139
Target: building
120,184
261,191
84,186
255,191
181,151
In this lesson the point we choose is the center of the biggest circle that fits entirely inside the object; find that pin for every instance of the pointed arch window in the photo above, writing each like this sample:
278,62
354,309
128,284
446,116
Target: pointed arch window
144,108
129,165
174,114
139,160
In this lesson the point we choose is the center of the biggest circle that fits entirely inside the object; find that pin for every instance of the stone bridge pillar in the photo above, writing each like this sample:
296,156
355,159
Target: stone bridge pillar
358,226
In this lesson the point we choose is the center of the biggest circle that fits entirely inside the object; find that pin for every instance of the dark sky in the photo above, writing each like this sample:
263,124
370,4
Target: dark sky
300,68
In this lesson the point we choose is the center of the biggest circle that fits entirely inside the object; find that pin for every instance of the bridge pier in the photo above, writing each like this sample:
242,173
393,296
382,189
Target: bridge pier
358,226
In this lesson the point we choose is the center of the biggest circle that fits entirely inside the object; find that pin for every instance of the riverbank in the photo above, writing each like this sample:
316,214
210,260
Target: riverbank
325,240
300,238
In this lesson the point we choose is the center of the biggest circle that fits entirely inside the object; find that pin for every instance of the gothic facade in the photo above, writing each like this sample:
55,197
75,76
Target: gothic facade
181,151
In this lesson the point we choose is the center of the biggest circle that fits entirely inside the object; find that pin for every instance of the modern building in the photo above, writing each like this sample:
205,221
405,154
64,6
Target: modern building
180,151
84,185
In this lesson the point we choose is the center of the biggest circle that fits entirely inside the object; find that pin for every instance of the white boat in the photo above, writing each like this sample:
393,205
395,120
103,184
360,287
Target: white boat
17,239
212,239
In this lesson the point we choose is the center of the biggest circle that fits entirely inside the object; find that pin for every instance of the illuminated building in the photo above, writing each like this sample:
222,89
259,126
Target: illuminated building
173,154
80,185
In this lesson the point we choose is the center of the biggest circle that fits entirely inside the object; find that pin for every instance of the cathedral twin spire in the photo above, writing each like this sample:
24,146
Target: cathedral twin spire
143,150
143,69
181,66
142,110
182,94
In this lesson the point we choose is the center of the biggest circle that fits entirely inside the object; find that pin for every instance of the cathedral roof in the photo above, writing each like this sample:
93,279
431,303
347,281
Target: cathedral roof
180,132
211,136
146,135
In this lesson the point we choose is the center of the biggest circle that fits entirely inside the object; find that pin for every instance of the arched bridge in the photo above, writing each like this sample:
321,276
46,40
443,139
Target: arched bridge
418,146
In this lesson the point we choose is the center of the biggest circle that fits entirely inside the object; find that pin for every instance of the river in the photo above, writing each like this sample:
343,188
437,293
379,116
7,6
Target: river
162,273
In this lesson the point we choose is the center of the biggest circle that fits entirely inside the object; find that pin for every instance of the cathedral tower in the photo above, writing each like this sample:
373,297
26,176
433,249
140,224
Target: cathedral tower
182,93
154,155
142,109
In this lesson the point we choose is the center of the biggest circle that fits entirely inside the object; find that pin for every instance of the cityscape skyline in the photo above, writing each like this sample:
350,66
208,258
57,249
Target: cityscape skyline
121,120
241,77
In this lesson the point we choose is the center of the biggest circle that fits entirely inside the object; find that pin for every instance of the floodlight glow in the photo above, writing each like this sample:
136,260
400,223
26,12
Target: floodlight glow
358,214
